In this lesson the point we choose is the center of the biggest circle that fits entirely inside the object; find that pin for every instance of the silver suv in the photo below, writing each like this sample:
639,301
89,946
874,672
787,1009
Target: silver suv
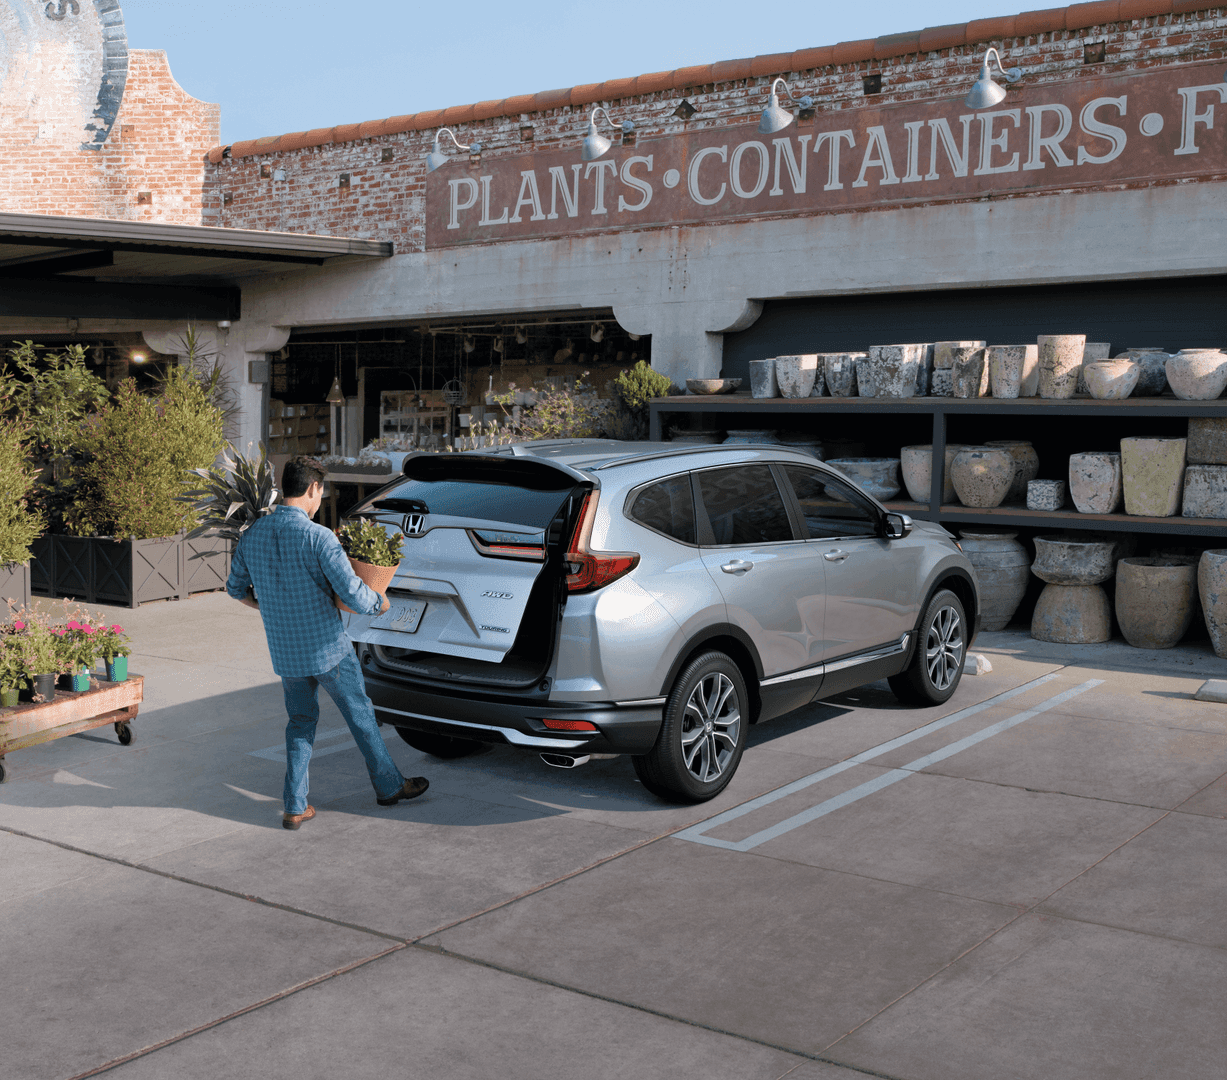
586,597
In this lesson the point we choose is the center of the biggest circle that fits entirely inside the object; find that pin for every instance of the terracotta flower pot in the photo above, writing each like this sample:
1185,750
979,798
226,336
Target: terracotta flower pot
377,577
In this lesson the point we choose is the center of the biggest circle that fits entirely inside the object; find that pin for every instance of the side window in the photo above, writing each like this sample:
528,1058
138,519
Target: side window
667,507
830,507
744,505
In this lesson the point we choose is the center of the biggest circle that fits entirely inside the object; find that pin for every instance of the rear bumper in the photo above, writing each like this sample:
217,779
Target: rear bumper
621,729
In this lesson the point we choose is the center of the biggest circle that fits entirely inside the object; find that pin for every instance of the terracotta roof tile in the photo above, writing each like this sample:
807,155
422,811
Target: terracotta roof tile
852,52
933,38
896,45
808,59
771,64
1046,21
980,31
1078,16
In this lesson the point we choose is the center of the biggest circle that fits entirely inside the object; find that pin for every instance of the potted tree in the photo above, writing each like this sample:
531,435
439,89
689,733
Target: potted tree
373,552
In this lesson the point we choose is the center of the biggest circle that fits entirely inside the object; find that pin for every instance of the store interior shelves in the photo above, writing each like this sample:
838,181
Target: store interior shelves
1055,427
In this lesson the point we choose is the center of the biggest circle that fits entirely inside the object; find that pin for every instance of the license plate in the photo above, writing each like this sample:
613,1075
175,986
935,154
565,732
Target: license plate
402,616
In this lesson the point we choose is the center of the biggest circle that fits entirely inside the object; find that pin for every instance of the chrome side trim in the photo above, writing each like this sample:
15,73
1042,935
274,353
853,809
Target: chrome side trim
517,738
898,647
793,676
641,701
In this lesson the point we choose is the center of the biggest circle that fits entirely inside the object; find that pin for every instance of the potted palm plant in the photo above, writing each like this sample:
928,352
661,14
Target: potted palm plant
233,497
374,553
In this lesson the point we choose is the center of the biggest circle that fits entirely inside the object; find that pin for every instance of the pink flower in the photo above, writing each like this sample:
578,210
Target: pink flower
59,633
87,629
19,625
74,625
117,629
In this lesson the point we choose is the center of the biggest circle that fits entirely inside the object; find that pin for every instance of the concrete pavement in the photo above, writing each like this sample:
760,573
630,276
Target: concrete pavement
1026,882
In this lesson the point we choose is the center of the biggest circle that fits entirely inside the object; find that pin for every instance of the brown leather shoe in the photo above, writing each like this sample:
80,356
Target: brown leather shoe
411,789
293,821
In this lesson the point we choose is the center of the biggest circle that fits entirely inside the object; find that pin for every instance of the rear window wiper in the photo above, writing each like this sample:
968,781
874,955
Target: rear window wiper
401,506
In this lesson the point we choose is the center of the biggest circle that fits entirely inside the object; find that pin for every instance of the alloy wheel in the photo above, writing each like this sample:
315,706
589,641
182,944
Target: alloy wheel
711,727
944,647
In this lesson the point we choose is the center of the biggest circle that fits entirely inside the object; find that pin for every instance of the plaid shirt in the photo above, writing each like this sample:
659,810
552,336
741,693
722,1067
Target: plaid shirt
296,566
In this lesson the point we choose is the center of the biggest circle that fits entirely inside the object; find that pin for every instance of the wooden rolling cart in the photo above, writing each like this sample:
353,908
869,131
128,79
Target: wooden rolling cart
29,724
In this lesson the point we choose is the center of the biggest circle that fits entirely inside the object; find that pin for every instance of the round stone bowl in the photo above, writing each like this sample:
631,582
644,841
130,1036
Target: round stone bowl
878,476
1074,559
1111,380
712,386
1197,374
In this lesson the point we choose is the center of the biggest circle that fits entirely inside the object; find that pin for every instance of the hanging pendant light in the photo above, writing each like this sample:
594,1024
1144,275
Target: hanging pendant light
335,395
986,93
776,118
595,144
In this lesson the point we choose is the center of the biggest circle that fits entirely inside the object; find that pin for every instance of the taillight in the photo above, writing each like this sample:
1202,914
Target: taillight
591,570
568,725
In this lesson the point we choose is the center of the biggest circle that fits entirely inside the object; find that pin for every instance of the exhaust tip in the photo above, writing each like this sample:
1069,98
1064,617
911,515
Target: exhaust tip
564,761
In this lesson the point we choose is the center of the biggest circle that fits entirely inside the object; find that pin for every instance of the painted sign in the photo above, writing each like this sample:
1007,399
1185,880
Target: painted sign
1160,124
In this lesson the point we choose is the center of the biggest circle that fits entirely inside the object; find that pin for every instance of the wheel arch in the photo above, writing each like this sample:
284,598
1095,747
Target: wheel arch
963,585
737,645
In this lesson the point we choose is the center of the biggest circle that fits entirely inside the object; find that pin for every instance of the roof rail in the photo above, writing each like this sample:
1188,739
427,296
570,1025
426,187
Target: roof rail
693,448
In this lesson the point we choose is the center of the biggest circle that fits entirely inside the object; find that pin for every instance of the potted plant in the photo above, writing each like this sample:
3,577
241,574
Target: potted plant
233,497
41,651
373,552
80,643
12,671
114,649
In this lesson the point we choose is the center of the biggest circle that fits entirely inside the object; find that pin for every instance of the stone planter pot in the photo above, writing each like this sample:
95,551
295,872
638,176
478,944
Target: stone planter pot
1155,600
1205,491
1045,494
866,384
1092,352
1074,559
877,476
1197,374
1152,471
750,436
1207,443
896,369
941,383
1060,357
15,583
1095,482
916,463
1072,615
841,373
820,377
1007,364
1002,568
795,375
924,373
943,352
762,379
1112,380
1212,589
971,375
1026,466
1152,380
982,475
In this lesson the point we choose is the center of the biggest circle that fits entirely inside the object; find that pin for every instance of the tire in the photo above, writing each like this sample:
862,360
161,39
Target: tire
937,665
702,738
125,734
440,746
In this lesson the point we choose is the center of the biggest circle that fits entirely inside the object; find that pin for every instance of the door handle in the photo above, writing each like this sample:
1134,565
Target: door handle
737,566
835,555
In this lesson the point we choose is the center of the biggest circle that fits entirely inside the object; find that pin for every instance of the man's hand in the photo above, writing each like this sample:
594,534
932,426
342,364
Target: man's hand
386,605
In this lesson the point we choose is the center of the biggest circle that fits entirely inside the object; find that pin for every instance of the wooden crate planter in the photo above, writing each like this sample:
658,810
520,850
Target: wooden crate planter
97,569
15,583
110,703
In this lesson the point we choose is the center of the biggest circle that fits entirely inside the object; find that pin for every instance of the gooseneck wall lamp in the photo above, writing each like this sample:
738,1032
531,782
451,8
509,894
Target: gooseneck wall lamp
774,117
595,144
437,157
986,93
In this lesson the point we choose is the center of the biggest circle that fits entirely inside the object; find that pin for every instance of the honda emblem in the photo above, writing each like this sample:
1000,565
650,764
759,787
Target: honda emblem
415,524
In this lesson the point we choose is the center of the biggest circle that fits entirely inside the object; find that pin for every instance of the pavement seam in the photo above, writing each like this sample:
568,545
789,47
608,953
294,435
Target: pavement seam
1004,926
315,980
439,950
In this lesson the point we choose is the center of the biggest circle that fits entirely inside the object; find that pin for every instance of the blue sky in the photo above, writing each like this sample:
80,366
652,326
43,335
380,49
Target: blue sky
278,67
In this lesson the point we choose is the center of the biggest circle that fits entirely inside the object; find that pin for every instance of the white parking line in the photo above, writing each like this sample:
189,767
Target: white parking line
695,834
277,753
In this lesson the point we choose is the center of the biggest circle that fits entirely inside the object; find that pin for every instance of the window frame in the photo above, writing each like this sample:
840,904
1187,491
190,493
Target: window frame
638,490
857,497
703,528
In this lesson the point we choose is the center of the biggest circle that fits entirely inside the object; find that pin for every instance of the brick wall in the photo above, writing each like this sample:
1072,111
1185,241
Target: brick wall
157,145
294,182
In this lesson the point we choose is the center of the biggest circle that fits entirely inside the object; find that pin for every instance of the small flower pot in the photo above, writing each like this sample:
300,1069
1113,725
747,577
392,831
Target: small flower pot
41,688
377,577
117,669
80,682
9,698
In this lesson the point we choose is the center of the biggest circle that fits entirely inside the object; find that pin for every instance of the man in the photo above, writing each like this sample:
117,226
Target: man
295,566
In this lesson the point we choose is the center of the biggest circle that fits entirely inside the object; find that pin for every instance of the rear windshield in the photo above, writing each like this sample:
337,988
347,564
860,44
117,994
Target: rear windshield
506,503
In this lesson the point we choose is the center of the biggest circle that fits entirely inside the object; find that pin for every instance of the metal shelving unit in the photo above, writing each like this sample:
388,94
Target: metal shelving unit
748,410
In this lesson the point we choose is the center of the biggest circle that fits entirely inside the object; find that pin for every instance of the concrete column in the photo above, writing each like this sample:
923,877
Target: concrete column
687,336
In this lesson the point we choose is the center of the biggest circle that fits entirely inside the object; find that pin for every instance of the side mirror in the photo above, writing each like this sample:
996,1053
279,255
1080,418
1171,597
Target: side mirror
897,526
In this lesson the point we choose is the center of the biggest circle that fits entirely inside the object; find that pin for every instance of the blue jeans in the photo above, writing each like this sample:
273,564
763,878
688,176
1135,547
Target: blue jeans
345,686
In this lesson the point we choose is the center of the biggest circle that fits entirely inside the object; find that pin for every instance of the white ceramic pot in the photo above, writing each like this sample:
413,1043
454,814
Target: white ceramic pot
1006,366
1212,589
795,375
1060,358
841,373
971,375
1026,466
1111,380
1003,569
896,369
1095,482
982,475
1197,374
762,379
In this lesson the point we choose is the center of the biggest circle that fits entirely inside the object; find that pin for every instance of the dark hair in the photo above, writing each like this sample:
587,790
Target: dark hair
299,473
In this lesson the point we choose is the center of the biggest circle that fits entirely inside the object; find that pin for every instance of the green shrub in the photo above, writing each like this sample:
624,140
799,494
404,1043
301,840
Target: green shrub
570,413
20,524
370,542
52,394
142,453
633,390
